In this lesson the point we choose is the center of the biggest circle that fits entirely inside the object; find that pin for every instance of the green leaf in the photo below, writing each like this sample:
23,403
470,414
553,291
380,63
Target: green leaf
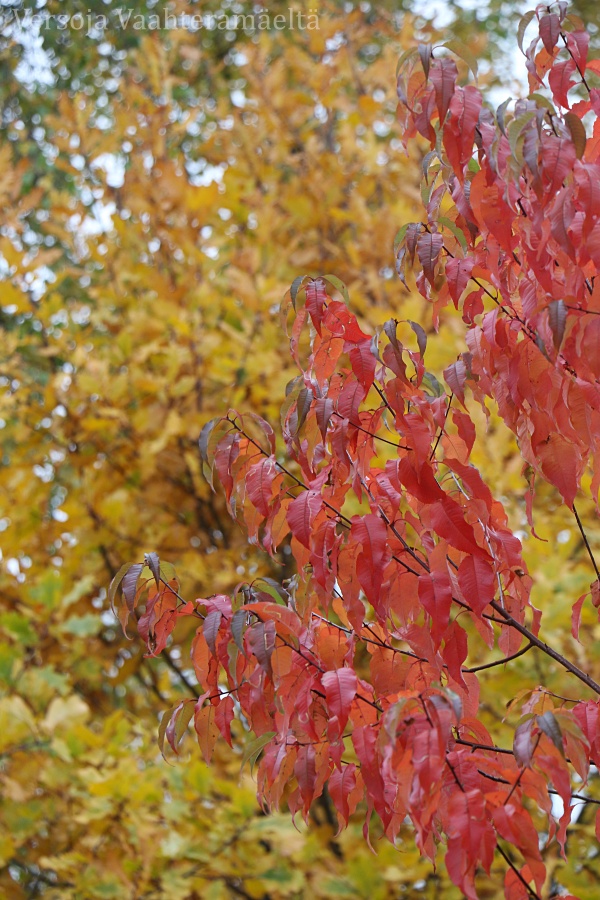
114,585
543,101
463,52
296,283
550,727
19,628
404,58
433,385
253,750
339,286
577,131
82,626
523,27
456,231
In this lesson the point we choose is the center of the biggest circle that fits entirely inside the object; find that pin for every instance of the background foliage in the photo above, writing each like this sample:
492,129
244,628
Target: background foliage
159,194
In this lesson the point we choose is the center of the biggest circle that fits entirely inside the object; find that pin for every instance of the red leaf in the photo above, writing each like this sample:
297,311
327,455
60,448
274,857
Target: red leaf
342,790
549,31
301,512
316,299
456,378
129,585
224,715
261,641
371,532
306,775
477,582
443,74
448,521
259,484
576,616
323,412
560,81
559,158
211,628
286,618
340,690
428,251
523,743
561,465
471,839
458,273
455,651
421,483
435,594
351,396
459,130
363,363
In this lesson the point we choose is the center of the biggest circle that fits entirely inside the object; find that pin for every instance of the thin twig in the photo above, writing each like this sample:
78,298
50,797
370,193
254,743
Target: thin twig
586,542
443,428
509,861
500,662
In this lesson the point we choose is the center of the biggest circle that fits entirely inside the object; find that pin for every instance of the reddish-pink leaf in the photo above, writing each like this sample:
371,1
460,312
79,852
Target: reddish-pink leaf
129,585
211,628
459,130
448,521
435,594
301,512
224,715
455,651
561,465
363,363
443,74
340,690
560,80
351,396
285,618
471,838
371,532
342,790
549,31
316,299
458,273
323,411
306,775
523,743
261,643
428,251
477,582
576,616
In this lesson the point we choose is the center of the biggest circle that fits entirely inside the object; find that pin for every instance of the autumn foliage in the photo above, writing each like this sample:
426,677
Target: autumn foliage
355,675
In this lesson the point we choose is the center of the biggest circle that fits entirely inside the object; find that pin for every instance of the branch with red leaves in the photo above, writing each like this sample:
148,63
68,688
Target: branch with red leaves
357,674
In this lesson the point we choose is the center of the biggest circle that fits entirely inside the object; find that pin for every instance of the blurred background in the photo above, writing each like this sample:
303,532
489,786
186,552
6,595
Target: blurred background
160,188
